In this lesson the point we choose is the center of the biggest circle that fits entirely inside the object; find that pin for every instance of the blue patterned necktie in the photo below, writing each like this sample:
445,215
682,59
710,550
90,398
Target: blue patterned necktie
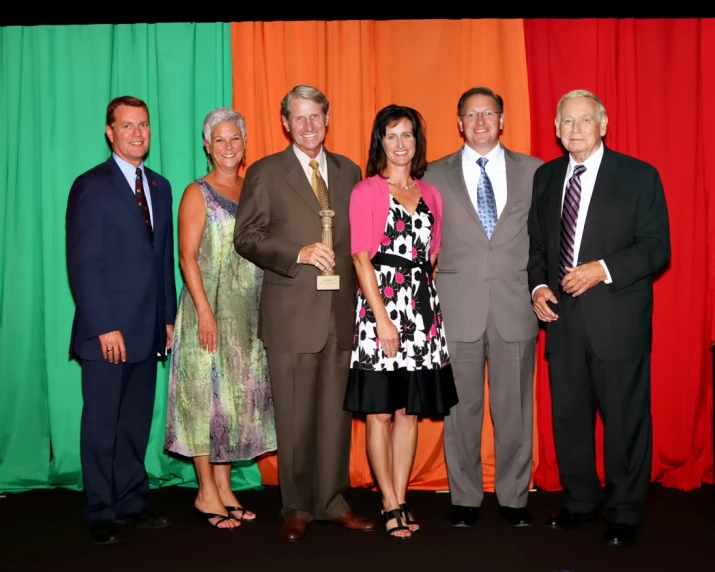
486,203
569,217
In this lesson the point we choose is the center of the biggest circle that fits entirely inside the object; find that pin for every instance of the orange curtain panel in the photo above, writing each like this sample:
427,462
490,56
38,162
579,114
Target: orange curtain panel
362,66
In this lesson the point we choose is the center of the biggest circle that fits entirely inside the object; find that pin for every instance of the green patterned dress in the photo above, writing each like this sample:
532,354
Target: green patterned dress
220,404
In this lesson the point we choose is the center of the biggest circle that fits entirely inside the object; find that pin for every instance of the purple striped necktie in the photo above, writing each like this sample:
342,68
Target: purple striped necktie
569,216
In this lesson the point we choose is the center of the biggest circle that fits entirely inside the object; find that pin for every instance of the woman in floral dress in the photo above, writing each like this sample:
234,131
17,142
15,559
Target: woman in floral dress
220,404
400,363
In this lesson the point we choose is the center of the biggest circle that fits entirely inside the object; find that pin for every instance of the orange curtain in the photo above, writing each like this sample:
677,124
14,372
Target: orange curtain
362,66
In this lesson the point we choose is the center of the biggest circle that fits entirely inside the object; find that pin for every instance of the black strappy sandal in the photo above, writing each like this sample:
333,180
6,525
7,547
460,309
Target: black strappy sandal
240,510
407,513
395,514
221,517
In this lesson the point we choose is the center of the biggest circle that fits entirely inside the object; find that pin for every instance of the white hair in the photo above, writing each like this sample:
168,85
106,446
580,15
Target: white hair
600,112
223,115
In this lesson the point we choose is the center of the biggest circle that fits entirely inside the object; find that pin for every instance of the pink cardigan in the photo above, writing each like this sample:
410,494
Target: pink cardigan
369,207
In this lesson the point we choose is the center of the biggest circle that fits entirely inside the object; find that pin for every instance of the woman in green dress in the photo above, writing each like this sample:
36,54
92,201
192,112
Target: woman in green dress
220,405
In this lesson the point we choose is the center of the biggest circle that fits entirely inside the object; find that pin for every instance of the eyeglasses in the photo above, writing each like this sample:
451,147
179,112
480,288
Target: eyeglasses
488,114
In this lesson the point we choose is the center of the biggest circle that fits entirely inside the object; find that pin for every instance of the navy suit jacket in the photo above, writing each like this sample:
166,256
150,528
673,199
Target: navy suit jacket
119,279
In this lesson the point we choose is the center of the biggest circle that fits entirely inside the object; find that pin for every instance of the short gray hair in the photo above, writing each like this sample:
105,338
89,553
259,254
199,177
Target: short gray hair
600,111
223,115
304,92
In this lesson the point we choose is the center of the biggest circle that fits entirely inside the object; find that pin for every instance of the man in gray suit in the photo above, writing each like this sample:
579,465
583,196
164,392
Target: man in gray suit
488,317
307,332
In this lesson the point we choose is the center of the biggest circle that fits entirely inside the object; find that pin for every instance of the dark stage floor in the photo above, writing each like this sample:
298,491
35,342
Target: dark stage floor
43,529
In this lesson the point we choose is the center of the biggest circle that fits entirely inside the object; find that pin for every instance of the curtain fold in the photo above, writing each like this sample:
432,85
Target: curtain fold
55,83
652,76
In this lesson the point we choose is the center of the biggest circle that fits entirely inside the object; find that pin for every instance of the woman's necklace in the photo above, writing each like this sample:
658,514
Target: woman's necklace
403,187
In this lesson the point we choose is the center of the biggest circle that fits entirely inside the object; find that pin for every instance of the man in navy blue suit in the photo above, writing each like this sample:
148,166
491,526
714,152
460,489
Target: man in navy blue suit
120,256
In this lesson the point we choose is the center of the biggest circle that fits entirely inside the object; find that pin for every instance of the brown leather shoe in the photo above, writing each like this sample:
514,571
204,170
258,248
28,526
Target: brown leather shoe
351,521
294,529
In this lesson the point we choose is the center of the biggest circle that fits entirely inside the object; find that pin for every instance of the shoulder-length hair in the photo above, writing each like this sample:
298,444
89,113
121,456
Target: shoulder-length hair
388,116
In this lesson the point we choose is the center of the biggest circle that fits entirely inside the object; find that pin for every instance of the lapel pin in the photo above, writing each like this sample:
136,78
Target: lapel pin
153,183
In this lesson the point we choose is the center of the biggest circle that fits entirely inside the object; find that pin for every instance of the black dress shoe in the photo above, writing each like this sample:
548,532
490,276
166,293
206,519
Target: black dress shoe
145,519
620,535
104,533
568,520
464,516
516,516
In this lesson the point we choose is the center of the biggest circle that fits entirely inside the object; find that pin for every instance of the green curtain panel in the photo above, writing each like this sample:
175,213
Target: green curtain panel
55,83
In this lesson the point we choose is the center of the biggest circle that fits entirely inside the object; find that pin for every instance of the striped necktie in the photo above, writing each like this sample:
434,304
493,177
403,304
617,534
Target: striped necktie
569,216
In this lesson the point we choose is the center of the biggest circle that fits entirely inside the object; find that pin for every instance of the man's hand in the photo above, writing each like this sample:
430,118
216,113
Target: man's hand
113,346
541,308
582,278
169,336
319,255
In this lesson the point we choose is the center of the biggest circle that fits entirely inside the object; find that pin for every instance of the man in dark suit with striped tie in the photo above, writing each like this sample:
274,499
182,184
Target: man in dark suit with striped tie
120,258
599,231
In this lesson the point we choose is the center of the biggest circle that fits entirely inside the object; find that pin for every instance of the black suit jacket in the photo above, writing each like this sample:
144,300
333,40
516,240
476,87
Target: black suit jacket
627,227
120,280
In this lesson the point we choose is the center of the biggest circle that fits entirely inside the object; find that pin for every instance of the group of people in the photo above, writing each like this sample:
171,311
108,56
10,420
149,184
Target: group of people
312,294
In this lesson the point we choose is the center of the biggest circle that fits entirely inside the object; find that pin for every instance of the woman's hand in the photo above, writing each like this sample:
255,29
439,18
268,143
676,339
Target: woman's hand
208,331
388,336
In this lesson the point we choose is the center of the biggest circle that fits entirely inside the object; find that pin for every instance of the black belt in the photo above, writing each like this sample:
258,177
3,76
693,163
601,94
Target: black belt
423,297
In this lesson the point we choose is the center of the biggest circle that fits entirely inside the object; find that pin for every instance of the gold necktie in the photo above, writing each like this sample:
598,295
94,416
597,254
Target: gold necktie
319,187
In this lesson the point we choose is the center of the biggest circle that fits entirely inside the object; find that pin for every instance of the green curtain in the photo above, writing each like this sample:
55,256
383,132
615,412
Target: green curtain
55,83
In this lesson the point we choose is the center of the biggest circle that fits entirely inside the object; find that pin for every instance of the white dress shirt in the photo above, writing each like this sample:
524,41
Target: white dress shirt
130,174
588,181
308,170
495,169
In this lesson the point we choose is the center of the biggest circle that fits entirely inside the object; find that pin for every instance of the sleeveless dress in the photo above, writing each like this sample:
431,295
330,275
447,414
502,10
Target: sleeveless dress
419,378
221,404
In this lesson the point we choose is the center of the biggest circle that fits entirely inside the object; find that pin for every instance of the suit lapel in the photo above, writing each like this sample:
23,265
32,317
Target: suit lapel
598,207
157,206
455,176
299,182
513,182
125,194
556,187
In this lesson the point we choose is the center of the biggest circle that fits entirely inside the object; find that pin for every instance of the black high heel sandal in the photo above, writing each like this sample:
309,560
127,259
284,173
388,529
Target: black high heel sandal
242,511
395,514
407,513
209,515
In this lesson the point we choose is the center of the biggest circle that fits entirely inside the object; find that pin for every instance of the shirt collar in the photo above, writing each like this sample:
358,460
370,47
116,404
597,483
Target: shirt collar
469,155
305,160
592,163
129,170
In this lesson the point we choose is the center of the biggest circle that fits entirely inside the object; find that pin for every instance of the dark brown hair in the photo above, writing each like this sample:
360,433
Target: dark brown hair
480,90
377,160
129,100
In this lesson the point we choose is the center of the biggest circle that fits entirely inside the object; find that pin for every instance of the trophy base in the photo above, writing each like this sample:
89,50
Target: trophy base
328,282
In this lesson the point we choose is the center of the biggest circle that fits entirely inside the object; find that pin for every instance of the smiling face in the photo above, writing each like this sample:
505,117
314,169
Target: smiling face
480,123
306,125
130,133
226,146
580,128
399,143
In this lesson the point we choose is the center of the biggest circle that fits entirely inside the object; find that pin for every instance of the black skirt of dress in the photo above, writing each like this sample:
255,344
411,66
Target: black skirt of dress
422,392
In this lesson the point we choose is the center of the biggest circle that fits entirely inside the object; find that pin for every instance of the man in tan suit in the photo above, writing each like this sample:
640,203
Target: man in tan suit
307,332
488,318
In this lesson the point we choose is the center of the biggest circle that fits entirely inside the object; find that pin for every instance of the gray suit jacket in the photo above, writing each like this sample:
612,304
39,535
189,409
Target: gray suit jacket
475,273
277,215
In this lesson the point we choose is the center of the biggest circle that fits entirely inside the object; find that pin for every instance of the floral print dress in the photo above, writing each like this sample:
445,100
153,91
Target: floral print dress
419,378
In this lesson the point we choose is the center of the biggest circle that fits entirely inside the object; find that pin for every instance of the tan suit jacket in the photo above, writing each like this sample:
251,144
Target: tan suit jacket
278,214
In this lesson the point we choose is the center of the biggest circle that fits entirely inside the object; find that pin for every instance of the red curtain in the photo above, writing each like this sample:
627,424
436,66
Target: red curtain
656,79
